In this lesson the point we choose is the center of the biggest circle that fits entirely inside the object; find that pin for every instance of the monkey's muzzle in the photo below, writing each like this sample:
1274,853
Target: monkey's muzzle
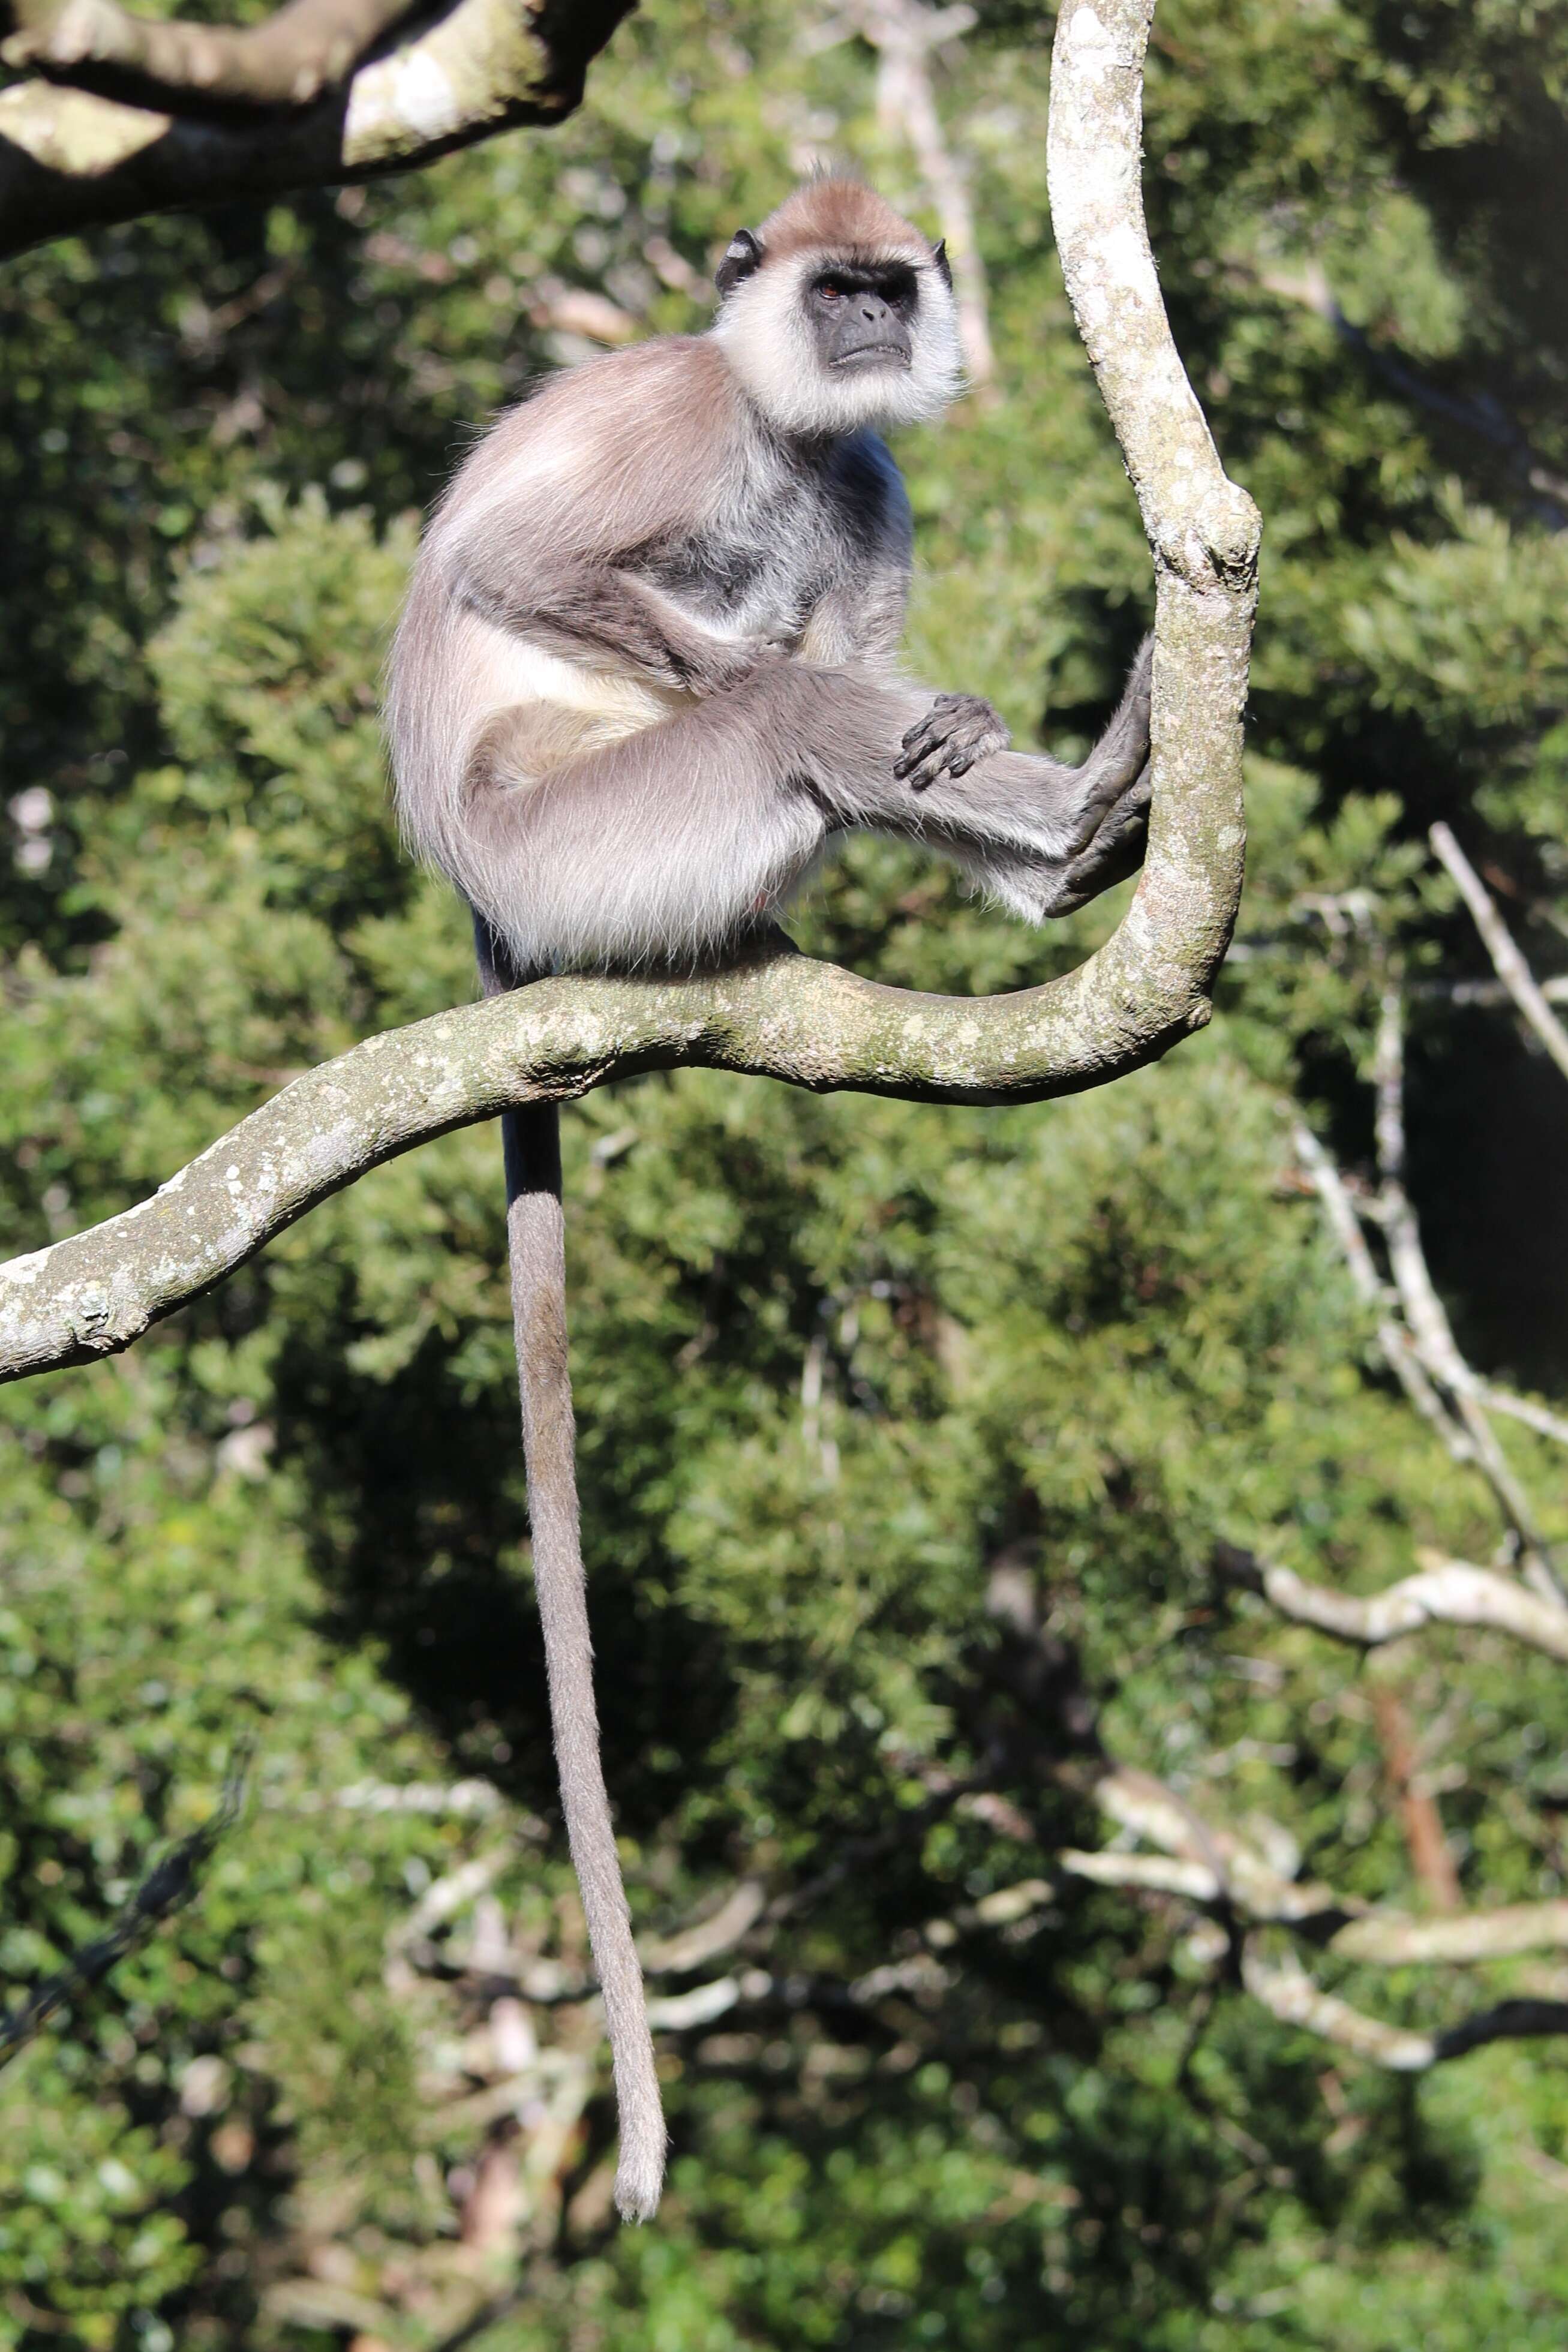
867,331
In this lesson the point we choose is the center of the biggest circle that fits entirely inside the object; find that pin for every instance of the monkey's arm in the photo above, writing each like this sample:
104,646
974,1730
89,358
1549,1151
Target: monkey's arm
597,609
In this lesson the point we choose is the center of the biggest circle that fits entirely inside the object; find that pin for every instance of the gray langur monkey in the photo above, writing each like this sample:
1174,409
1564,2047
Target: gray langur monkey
646,677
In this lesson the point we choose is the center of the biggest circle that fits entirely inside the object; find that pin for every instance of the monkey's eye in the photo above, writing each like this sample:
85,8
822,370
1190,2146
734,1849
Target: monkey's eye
830,290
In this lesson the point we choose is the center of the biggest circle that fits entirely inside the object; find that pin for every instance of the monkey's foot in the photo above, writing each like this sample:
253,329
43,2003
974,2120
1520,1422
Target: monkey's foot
957,731
1109,848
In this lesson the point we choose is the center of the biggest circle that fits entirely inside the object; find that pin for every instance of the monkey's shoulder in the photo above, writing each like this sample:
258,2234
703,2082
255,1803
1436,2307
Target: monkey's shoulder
672,384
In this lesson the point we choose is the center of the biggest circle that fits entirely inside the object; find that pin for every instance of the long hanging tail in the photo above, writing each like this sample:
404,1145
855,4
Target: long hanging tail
530,1138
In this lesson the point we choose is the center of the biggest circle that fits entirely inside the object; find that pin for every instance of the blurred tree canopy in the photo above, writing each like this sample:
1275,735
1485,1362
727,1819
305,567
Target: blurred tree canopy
908,1435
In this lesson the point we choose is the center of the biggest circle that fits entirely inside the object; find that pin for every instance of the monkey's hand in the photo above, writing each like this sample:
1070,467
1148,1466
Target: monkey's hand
717,664
957,731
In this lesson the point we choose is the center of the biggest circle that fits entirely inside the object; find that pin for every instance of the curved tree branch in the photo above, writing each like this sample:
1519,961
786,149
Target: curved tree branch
1284,1988
70,160
95,45
785,1017
782,1016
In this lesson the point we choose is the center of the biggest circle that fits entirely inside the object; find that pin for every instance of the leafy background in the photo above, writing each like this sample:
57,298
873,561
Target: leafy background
843,1367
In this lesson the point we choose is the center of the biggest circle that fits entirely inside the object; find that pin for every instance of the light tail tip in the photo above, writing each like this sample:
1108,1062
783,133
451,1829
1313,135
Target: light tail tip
639,2179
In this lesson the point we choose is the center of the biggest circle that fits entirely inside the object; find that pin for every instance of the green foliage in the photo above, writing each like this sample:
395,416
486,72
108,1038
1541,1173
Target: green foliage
853,1376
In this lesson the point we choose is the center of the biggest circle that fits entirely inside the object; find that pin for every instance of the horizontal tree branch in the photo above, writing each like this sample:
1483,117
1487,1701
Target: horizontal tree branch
783,1016
1207,1864
307,48
1395,1941
1448,1592
1287,1991
71,160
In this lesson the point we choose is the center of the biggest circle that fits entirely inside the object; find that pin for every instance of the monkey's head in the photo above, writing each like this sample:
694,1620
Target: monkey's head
836,313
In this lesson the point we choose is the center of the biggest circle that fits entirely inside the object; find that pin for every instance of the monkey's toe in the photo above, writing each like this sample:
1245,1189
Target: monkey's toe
1115,851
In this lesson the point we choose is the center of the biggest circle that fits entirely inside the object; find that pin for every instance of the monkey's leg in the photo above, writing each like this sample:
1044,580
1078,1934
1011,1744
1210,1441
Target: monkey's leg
667,843
1043,837
654,849
530,1140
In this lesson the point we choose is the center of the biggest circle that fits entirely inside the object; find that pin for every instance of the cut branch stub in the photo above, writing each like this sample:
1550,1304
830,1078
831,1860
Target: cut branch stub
782,1016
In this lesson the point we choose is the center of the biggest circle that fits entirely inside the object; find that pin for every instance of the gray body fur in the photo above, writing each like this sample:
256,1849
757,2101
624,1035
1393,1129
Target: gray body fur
647,673
645,677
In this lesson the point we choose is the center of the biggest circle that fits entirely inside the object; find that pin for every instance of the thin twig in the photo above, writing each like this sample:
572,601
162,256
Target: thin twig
1507,961
904,33
168,1885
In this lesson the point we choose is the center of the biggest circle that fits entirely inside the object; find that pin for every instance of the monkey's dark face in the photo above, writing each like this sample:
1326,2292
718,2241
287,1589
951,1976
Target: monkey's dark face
863,319
850,328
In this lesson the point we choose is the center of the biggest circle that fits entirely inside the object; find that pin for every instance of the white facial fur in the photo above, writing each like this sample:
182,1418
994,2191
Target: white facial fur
768,340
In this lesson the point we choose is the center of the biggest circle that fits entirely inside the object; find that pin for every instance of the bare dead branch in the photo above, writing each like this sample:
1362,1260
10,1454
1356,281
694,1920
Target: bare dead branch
1284,1989
1288,1993
1544,1422
1156,1874
1398,1347
1418,1343
1448,1592
1425,1318
735,1917
1488,994
1507,961
308,47
1210,1862
71,160
1207,1864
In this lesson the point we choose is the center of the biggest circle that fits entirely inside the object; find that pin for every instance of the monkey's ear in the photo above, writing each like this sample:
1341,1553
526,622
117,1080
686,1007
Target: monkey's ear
939,254
744,254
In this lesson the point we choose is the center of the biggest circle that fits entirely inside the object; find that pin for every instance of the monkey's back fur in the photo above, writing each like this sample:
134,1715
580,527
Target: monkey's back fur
650,464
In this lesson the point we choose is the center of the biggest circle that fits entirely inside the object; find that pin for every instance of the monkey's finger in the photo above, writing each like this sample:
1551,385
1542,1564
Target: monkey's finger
925,733
923,745
928,769
1098,809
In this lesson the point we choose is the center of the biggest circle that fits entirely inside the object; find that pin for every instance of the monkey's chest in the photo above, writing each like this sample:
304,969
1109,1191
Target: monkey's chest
761,576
